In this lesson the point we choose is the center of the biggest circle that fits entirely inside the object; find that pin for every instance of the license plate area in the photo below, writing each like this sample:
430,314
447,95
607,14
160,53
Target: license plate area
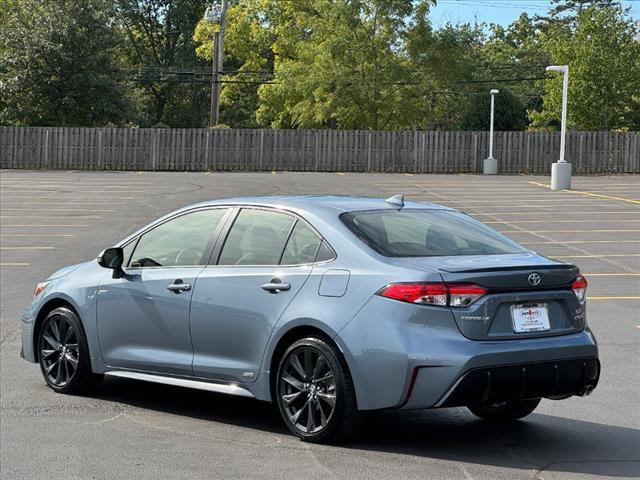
530,317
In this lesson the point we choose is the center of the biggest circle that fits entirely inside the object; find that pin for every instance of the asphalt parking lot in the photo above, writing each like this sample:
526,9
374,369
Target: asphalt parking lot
144,431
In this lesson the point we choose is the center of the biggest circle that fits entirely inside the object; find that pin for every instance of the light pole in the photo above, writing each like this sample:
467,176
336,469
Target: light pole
216,14
490,166
561,170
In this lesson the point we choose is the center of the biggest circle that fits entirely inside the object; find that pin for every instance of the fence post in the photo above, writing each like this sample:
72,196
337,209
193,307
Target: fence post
316,153
261,154
99,149
154,149
46,148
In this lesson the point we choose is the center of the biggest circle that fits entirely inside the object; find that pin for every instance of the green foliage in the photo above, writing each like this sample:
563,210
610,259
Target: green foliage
509,114
159,49
57,63
349,64
603,54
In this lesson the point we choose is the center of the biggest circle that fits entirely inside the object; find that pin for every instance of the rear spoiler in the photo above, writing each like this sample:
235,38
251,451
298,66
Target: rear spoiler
565,266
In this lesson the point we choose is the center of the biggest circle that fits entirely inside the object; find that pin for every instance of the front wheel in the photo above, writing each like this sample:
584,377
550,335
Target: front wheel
505,412
63,353
315,393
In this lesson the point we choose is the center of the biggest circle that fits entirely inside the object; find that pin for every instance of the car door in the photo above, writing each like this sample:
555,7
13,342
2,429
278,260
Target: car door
143,317
265,260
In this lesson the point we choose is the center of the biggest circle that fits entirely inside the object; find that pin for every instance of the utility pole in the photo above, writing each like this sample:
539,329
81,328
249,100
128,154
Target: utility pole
217,14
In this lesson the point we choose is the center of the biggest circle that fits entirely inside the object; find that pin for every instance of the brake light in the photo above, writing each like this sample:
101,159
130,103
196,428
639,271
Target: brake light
453,295
579,287
422,293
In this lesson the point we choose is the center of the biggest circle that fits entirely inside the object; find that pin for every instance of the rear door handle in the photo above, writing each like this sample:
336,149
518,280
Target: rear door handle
178,286
275,286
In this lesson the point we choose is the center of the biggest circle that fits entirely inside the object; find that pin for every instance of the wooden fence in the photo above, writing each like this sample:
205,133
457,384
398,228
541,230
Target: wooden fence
311,150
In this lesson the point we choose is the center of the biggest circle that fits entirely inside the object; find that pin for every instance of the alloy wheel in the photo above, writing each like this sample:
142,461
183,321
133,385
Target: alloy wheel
307,389
59,351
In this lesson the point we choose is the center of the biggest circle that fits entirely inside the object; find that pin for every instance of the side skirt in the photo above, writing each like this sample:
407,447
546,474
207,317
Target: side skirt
228,388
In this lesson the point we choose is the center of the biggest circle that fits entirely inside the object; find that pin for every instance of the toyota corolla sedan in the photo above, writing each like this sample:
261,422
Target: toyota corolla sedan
327,306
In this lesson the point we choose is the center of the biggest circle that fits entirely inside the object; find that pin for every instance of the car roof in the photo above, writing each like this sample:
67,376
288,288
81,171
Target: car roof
318,203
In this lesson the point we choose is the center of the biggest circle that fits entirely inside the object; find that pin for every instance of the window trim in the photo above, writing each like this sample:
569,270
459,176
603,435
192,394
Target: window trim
214,260
213,237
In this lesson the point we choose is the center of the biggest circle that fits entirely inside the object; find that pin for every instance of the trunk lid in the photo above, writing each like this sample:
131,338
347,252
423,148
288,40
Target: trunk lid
512,294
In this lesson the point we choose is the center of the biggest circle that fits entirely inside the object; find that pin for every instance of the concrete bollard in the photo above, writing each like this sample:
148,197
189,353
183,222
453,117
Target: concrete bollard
560,175
490,166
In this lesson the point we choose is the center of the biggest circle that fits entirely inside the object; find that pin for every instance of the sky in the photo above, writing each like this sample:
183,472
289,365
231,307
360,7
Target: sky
497,11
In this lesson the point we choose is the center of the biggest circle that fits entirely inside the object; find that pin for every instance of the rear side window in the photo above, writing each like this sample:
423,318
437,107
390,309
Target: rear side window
302,246
426,233
257,237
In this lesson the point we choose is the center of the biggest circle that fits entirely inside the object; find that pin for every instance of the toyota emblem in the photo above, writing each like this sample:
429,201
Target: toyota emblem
534,279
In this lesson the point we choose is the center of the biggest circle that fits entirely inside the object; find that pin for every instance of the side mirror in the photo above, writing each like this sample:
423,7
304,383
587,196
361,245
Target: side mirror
112,258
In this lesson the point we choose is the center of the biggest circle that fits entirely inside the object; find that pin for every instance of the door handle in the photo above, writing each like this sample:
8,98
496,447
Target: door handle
178,286
276,286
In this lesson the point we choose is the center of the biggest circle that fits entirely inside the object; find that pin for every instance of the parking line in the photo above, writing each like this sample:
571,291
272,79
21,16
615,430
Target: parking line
591,194
612,298
27,248
598,230
54,210
69,203
36,234
599,256
14,264
612,274
57,197
49,217
562,221
579,241
572,212
42,225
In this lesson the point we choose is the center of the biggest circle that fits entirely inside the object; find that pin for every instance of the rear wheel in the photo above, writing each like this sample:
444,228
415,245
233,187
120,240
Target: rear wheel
315,393
505,412
63,353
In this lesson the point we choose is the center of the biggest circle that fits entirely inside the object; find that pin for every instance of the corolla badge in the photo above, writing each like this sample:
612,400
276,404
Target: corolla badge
534,279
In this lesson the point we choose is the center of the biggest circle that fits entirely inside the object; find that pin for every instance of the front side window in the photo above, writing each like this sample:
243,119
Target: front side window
426,233
178,242
257,237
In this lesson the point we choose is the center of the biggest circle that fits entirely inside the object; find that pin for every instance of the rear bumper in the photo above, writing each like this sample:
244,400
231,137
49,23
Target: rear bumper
557,379
402,356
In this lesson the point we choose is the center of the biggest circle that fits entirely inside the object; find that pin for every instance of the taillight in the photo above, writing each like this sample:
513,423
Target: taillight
579,287
453,295
463,295
422,293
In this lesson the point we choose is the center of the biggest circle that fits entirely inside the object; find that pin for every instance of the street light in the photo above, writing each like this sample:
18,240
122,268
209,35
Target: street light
490,166
561,170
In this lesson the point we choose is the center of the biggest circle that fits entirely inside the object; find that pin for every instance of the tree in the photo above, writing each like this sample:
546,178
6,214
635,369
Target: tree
510,113
336,64
517,52
442,61
248,59
58,64
160,56
603,52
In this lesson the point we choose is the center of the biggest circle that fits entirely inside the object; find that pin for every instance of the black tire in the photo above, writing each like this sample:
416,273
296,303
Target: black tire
506,412
319,422
63,353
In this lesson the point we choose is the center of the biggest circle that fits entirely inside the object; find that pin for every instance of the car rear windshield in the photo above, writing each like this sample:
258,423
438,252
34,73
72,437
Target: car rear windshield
426,233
